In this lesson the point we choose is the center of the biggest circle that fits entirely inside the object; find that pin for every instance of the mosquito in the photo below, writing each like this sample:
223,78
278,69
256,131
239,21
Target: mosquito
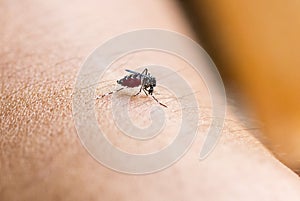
136,79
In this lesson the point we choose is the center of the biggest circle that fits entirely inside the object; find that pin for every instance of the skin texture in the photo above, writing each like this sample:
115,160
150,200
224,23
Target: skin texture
41,158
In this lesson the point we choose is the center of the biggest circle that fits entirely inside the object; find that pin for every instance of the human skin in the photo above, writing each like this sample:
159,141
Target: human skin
43,45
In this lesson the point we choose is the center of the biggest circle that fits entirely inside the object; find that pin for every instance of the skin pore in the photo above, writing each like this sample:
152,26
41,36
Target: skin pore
43,44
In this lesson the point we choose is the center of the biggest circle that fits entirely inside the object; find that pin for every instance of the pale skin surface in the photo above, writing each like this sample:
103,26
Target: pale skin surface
42,47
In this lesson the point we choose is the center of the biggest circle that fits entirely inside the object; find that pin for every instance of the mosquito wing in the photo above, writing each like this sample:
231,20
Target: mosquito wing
136,73
131,71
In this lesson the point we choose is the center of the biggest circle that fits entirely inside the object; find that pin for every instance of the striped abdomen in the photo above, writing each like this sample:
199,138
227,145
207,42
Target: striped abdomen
130,81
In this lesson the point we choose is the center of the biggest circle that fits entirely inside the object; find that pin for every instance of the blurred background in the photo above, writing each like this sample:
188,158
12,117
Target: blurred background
256,46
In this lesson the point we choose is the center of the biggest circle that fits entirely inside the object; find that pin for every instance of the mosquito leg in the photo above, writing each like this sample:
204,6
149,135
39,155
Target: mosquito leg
139,91
145,91
158,101
145,71
109,93
142,87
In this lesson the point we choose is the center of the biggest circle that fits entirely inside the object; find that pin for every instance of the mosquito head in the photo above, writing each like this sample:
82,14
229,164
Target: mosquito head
150,90
149,84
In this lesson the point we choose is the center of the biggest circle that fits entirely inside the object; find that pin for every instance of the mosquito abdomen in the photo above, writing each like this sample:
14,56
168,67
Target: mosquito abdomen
130,81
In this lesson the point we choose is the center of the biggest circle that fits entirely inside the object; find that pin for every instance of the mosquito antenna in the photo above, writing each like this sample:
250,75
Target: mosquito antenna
158,101
109,93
